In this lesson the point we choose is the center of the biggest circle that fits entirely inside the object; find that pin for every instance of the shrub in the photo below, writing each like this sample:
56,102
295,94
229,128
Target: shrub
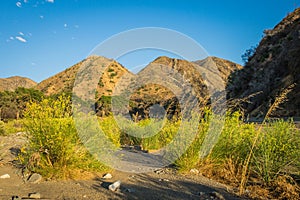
2,128
54,149
277,150
235,140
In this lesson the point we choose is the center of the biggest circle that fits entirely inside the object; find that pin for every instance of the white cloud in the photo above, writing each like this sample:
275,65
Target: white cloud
50,1
21,39
65,25
19,4
21,33
25,1
41,16
11,38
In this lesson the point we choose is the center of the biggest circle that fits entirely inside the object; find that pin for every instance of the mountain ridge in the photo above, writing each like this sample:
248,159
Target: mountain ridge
274,67
13,82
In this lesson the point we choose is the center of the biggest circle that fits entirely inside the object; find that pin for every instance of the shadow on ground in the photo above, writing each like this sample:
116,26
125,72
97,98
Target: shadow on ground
144,186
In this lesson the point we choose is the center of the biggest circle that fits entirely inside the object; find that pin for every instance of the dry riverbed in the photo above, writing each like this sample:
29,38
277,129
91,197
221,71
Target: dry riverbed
161,184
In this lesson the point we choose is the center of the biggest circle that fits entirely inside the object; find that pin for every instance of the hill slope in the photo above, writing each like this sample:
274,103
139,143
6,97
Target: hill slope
64,81
12,83
201,75
151,89
274,67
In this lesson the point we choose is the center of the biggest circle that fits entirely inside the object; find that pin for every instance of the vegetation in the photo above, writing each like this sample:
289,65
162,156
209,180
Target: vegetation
2,128
11,127
54,149
12,104
249,53
270,152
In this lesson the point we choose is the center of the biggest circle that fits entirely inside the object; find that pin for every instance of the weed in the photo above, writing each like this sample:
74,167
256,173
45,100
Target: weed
54,149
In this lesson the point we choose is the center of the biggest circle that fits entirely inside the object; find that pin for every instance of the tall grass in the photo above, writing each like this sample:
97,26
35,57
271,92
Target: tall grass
264,154
282,97
54,149
11,127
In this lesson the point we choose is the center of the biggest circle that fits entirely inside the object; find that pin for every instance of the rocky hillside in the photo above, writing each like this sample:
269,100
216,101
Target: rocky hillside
200,74
149,87
12,83
274,67
64,81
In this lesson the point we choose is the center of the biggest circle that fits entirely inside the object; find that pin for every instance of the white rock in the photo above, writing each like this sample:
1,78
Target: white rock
35,178
115,186
107,176
217,195
5,176
194,171
34,195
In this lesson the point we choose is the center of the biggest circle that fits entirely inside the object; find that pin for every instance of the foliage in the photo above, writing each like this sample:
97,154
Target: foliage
111,129
53,140
278,148
13,103
248,54
103,106
274,145
2,128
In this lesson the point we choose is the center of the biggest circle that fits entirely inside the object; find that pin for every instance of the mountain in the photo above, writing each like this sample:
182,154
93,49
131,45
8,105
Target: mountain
64,81
12,83
225,67
202,76
271,70
148,88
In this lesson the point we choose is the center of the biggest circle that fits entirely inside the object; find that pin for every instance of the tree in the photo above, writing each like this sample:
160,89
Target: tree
246,57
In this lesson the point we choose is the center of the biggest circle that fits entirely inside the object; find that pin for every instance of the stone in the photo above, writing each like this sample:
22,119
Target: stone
16,198
35,178
107,176
163,179
194,171
129,190
115,186
5,176
217,195
201,193
35,195
159,171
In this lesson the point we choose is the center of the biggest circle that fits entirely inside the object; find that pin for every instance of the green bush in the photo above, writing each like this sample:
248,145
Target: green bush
278,150
54,148
14,126
2,128
235,140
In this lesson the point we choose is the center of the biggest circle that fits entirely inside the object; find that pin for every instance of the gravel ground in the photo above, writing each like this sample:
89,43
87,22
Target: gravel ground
162,184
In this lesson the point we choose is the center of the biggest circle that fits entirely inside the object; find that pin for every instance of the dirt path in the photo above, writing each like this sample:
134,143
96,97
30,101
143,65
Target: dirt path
165,184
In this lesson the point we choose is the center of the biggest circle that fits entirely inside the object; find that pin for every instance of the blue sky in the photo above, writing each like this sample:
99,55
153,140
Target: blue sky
39,38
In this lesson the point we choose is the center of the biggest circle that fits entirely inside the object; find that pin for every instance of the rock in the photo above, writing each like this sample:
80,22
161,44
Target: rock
107,176
35,195
115,186
5,176
217,195
159,171
163,179
35,178
16,198
201,193
137,147
194,171
129,190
